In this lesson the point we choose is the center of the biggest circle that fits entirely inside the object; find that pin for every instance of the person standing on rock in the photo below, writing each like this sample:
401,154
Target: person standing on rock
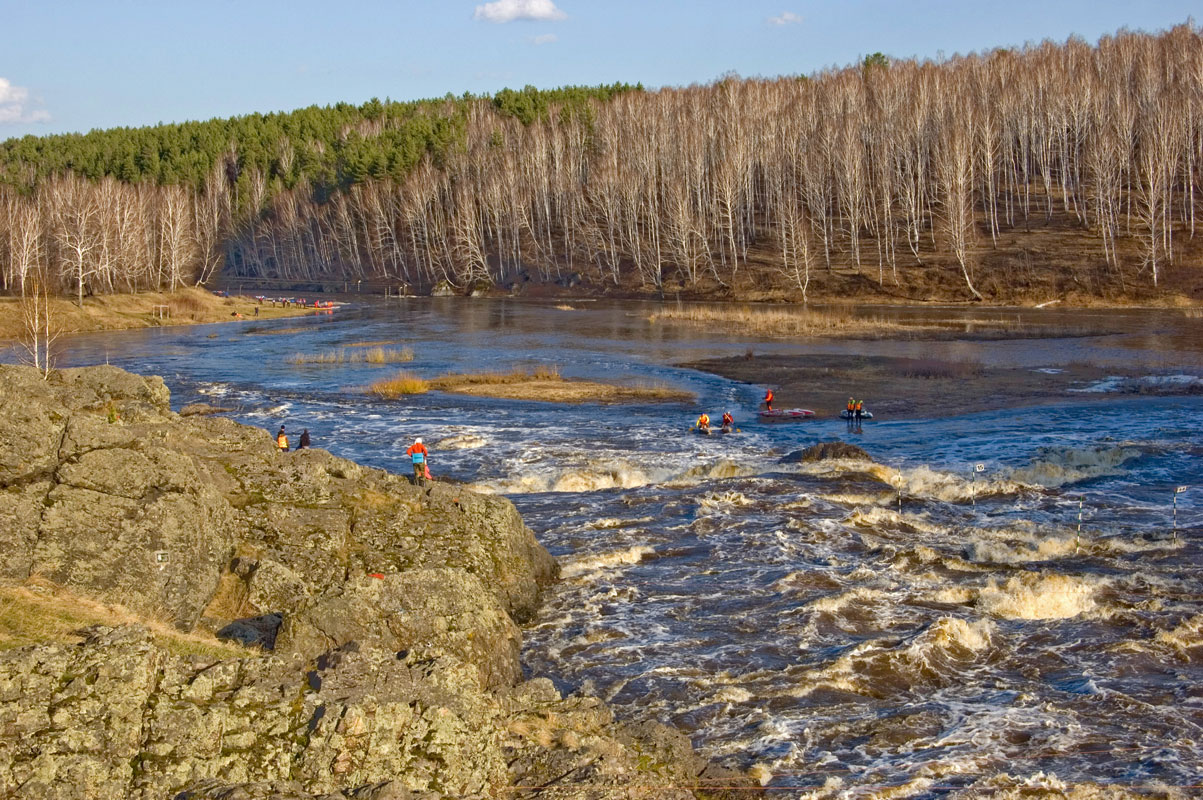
304,443
282,440
418,453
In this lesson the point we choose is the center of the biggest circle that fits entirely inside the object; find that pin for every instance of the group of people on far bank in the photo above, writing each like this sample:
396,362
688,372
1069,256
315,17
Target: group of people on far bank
417,452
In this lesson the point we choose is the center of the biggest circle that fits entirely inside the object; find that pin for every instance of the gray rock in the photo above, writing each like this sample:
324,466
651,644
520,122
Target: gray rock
823,451
403,686
426,610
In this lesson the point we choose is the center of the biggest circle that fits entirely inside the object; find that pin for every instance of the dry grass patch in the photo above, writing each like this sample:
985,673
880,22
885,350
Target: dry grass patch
345,355
112,312
454,381
783,322
40,612
401,384
544,384
572,391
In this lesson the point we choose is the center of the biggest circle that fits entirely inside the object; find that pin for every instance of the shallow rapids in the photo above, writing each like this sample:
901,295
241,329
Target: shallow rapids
905,627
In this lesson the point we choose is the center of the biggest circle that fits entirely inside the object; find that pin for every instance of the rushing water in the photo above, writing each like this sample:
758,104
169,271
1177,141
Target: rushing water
909,628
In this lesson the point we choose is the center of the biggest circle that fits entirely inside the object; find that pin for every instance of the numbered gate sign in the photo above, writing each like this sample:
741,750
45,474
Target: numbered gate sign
1181,489
979,467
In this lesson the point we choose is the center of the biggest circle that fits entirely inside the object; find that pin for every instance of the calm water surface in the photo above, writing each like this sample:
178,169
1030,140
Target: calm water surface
911,628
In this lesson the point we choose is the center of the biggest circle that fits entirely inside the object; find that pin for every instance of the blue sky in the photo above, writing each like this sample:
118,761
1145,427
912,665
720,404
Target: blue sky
70,65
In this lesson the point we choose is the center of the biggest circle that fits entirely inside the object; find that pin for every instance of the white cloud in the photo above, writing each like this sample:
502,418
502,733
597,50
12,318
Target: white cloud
510,10
786,18
14,105
543,38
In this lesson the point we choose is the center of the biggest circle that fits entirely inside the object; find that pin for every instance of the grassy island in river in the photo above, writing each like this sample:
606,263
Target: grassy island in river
546,385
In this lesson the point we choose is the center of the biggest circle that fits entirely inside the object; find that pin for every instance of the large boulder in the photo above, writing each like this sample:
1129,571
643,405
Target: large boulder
430,610
827,451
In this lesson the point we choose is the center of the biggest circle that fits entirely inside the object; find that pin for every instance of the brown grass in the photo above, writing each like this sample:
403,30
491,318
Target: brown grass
344,355
40,612
455,381
782,322
121,311
542,383
401,384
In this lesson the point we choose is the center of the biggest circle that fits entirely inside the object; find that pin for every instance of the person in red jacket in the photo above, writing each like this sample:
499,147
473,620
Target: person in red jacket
418,453
768,400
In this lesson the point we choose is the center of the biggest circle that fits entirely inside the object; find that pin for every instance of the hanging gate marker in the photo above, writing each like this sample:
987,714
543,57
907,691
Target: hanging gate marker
973,483
1078,536
1179,490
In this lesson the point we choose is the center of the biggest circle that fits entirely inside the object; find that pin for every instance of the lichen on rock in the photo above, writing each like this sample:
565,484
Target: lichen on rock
407,685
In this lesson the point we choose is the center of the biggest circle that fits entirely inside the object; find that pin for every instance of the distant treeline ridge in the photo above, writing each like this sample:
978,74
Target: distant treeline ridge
882,166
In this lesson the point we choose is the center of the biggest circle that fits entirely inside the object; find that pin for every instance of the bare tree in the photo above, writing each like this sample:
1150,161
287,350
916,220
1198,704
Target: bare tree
38,332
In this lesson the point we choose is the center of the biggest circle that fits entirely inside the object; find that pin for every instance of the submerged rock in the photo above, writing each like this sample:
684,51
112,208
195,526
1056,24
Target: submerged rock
824,451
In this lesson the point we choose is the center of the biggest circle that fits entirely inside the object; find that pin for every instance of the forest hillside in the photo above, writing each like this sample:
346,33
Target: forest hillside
1049,171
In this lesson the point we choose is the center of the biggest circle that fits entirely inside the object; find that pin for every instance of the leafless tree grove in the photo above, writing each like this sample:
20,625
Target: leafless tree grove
877,169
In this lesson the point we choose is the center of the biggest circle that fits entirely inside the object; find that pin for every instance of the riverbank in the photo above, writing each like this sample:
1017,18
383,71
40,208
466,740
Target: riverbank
111,312
901,388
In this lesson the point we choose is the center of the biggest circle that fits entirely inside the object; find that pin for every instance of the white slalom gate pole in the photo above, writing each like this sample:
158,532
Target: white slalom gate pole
973,484
1177,491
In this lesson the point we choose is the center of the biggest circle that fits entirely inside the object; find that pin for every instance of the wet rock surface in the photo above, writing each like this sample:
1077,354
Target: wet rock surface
392,611
824,451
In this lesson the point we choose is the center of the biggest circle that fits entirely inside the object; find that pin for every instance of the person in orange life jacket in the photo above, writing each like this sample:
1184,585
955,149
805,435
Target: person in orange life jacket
418,453
728,420
768,400
703,423
860,409
851,406
282,440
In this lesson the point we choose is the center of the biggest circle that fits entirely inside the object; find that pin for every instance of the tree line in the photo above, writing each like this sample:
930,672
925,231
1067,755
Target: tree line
882,167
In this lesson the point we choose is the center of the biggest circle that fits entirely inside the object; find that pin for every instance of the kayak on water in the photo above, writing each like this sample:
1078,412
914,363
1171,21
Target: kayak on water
786,414
702,431
846,414
726,429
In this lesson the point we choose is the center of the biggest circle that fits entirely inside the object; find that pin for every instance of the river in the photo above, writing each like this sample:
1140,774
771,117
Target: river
907,629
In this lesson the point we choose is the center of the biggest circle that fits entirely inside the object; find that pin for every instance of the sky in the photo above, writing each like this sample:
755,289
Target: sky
75,65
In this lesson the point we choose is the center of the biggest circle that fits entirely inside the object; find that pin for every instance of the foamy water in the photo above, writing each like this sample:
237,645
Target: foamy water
908,627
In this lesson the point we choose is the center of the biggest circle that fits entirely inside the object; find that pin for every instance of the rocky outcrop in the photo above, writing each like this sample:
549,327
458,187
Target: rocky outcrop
119,717
824,451
201,521
392,611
